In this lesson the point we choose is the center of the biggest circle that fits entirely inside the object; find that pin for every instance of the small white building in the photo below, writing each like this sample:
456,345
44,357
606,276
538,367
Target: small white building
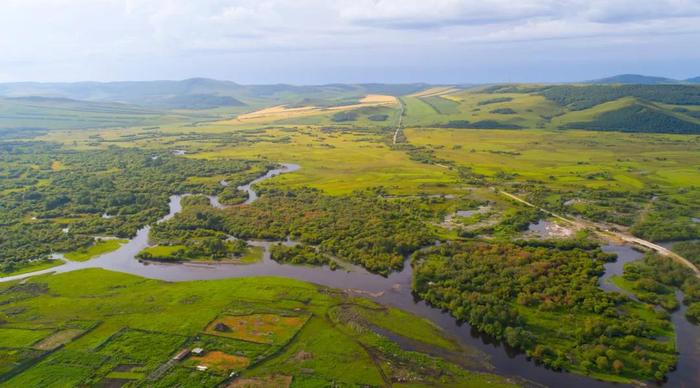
202,368
197,351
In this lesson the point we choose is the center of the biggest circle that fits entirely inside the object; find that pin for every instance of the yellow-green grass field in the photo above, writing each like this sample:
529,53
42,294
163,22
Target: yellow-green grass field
530,111
341,162
633,161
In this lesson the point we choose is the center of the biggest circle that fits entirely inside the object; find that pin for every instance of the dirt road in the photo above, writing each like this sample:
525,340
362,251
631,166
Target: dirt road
400,123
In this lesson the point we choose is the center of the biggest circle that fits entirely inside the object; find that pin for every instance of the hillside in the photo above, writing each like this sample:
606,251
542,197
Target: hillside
628,108
662,108
639,79
25,115
636,79
638,118
198,93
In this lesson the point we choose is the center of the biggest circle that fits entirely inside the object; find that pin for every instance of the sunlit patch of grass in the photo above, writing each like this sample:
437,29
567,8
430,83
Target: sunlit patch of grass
98,248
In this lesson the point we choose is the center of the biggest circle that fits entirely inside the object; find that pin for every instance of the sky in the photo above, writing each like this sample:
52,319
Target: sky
349,41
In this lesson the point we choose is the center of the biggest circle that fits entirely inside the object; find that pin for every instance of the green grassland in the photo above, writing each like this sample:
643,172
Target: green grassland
339,162
628,109
98,248
251,255
632,161
135,339
45,114
531,111
179,253
163,252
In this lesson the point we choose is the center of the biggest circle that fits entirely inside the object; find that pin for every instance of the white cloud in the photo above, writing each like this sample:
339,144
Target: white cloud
437,13
620,11
103,33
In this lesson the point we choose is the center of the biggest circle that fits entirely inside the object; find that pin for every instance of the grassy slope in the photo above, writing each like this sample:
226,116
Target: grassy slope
532,111
591,113
175,311
68,114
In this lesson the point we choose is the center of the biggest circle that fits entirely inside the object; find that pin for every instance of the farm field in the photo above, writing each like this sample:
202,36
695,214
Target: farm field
138,344
283,112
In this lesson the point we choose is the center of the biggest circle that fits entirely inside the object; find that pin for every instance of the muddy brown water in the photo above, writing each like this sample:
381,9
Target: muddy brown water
393,290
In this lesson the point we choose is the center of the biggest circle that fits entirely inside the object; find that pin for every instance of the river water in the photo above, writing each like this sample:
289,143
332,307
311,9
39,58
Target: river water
393,290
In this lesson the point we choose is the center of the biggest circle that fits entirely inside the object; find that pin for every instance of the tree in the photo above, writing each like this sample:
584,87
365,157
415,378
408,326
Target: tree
618,366
601,362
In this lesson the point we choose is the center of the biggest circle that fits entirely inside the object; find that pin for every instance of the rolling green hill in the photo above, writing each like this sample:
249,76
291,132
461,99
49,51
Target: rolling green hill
636,79
197,93
625,108
23,115
650,104
638,118
582,97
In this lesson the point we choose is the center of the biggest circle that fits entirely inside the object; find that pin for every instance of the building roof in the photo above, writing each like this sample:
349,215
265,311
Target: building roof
181,354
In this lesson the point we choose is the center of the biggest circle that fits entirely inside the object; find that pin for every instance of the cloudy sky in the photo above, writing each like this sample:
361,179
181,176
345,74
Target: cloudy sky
323,41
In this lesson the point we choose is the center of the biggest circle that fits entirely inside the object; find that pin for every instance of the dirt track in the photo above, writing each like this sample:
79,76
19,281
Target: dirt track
400,123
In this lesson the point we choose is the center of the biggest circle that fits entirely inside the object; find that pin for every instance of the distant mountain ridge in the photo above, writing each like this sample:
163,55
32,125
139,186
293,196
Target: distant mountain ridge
639,79
195,93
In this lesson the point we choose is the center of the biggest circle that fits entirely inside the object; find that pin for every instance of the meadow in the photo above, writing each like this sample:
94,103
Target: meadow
567,158
339,162
285,329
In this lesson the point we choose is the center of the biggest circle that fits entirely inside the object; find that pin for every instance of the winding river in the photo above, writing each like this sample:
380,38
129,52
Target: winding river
393,290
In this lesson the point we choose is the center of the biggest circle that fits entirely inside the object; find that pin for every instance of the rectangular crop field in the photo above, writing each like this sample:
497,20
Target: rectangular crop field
259,328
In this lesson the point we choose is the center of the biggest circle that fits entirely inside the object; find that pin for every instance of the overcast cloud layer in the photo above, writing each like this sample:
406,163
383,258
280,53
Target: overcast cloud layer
323,41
